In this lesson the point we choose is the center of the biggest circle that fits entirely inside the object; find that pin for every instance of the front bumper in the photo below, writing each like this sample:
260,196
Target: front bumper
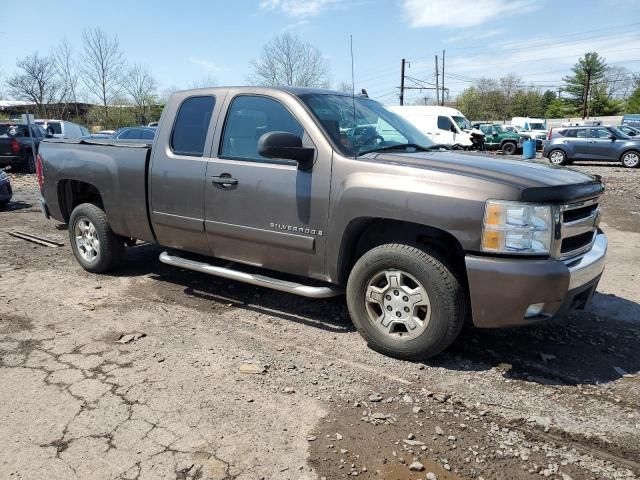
502,289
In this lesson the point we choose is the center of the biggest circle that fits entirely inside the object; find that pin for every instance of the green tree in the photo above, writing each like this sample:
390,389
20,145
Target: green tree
589,71
633,104
547,97
560,108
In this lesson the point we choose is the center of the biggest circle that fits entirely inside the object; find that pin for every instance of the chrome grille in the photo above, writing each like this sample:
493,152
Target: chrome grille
577,228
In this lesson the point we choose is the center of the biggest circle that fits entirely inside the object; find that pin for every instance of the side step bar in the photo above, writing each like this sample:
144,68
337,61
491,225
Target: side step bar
252,278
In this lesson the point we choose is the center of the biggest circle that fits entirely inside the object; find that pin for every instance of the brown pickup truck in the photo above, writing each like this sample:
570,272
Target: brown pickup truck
318,193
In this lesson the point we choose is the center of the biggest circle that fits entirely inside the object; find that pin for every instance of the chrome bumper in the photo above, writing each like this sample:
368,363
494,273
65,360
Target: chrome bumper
590,265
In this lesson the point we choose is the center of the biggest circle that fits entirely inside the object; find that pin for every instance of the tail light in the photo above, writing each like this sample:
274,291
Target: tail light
15,146
40,171
549,135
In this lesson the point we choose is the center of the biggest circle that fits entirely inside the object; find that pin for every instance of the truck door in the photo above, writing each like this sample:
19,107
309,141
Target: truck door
177,173
261,211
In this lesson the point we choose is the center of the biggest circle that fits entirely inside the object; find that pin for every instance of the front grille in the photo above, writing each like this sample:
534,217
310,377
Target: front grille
574,243
578,228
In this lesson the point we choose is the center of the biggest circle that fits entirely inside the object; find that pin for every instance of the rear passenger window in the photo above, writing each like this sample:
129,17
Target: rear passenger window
576,133
190,130
248,119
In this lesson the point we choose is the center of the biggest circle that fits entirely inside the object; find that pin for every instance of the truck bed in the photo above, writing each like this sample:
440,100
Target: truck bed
116,168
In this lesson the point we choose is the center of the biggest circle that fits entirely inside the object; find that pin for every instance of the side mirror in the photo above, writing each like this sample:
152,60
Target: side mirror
612,137
287,146
48,135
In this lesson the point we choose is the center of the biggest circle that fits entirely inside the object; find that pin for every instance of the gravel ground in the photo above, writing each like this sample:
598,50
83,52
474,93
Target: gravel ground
225,380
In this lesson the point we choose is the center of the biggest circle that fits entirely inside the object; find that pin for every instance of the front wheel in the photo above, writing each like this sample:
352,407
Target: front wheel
558,157
631,159
509,148
96,248
405,302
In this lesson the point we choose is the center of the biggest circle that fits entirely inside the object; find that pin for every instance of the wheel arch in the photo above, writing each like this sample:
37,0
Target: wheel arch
627,150
72,193
364,233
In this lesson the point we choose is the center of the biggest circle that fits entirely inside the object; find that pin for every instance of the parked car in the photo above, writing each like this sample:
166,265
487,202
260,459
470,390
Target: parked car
5,189
442,125
629,131
61,128
103,134
419,238
568,144
632,120
498,138
135,133
16,148
537,126
539,138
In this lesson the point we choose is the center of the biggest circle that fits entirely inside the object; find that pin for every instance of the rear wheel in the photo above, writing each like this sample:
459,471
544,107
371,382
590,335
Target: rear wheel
28,164
405,302
631,159
509,148
558,157
94,244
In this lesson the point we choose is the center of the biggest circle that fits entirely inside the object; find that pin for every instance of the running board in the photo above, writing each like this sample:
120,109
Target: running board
252,278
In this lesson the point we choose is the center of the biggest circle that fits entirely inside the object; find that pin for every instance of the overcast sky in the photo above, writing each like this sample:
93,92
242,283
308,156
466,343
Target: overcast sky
185,41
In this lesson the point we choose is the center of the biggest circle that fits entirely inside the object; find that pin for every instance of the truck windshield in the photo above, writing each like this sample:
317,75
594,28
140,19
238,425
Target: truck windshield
536,126
366,128
462,122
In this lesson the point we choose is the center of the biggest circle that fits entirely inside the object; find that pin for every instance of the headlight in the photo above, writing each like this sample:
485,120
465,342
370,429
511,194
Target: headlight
517,228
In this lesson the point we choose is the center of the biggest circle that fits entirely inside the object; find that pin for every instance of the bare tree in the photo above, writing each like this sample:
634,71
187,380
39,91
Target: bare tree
344,86
141,86
65,64
207,81
102,67
36,81
287,60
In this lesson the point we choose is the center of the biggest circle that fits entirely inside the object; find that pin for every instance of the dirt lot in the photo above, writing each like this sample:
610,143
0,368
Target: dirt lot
556,401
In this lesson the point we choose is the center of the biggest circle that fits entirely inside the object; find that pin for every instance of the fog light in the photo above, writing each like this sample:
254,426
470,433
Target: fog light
534,310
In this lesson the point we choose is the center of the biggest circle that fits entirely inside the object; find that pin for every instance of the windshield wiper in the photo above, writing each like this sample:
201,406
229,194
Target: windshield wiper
405,146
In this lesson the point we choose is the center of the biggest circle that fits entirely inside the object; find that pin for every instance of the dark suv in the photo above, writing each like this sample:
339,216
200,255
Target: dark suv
567,144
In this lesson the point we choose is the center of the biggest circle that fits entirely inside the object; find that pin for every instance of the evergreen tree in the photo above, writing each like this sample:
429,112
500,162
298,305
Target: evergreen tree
589,71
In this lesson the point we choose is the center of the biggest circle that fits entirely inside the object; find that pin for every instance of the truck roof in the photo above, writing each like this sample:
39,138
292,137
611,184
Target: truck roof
297,91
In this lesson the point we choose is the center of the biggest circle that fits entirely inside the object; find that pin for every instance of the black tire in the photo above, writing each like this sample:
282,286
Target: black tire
509,148
558,157
630,159
445,294
28,164
111,246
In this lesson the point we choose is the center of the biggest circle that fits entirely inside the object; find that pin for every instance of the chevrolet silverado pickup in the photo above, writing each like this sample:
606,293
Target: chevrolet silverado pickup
265,186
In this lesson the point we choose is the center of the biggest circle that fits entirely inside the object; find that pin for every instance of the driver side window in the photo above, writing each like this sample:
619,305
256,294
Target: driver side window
444,123
249,117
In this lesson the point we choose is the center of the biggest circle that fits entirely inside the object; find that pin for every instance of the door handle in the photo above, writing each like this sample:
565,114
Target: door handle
224,180
592,141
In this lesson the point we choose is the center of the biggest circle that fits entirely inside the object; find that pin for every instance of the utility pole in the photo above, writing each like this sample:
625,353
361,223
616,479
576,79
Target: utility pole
442,101
402,82
437,89
585,101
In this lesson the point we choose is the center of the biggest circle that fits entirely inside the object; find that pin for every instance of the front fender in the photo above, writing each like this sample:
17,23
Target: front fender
451,203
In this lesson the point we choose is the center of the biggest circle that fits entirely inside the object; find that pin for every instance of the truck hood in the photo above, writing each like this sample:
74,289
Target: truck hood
519,174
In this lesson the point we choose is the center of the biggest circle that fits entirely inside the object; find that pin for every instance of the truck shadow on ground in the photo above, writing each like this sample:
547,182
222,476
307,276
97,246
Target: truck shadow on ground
597,345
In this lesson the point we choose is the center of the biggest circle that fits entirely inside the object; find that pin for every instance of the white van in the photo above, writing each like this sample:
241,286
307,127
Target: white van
536,126
443,125
62,128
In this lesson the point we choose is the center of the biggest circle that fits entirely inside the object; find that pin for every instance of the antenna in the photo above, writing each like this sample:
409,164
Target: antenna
353,94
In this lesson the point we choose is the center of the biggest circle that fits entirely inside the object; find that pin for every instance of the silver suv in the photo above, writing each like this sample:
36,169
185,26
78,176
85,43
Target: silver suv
567,144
